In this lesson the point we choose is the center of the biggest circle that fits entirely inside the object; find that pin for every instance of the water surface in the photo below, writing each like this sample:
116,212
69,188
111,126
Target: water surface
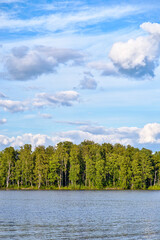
116,215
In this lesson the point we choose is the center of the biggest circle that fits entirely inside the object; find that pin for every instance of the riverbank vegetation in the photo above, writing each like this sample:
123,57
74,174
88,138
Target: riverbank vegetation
84,166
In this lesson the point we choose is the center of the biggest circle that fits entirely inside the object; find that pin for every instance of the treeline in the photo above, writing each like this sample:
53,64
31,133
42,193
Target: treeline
84,166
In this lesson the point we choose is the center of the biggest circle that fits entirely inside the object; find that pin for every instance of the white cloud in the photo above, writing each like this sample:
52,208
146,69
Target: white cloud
28,138
152,28
63,98
127,135
3,120
124,135
24,63
6,141
138,57
73,136
35,140
88,83
13,106
67,21
105,68
78,136
150,133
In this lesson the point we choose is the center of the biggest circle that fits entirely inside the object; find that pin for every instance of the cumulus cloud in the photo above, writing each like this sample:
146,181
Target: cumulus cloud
88,83
124,135
28,138
13,106
152,28
24,63
63,98
6,141
78,136
3,120
138,57
146,136
150,133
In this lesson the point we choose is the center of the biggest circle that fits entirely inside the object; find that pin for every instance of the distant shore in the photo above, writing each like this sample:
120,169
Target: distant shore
86,166
78,189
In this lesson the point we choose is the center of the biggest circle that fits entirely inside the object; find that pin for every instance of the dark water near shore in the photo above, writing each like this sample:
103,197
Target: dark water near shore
30,215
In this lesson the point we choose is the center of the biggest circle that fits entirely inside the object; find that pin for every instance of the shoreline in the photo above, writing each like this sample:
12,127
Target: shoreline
79,189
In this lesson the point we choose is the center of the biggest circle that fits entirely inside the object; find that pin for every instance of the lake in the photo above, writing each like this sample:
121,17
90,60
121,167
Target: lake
117,215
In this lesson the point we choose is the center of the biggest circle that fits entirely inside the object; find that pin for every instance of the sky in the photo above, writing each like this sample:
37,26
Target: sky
80,70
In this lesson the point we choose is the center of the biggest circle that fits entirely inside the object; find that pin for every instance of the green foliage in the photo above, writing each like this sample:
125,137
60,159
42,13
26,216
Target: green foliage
89,155
41,166
125,173
100,171
54,170
84,166
24,166
74,165
8,160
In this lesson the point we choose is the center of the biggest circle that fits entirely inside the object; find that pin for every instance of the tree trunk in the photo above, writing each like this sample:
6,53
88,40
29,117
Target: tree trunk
59,183
39,181
155,177
65,175
8,176
7,181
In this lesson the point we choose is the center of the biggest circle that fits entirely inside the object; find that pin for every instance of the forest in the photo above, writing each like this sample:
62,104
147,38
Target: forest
85,166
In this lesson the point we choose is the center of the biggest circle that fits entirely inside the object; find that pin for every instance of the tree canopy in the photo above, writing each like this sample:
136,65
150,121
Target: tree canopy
85,166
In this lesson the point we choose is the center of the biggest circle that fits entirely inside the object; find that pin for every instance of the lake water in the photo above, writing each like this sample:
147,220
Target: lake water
116,215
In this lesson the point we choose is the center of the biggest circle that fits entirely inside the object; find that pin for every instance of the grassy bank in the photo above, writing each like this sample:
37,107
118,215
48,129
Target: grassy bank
70,188
155,187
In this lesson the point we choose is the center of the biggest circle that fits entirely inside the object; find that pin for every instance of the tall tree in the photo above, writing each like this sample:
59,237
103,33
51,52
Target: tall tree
54,170
112,170
25,165
156,165
74,165
41,166
125,173
89,154
100,170
62,152
136,171
8,159
147,168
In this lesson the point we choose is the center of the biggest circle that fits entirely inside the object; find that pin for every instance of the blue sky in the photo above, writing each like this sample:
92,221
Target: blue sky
75,70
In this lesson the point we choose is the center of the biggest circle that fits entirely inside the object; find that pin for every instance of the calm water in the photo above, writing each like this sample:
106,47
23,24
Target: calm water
30,215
